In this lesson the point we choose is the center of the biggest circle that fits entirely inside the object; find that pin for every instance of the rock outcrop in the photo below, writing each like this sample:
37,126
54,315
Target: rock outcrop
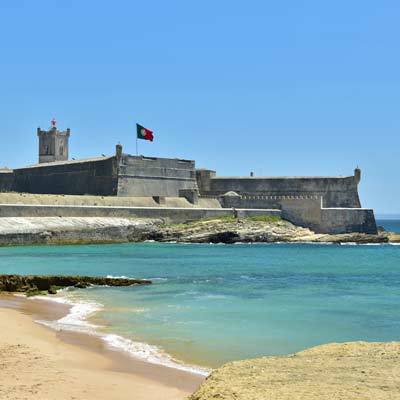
33,284
81,230
346,371
267,230
75,230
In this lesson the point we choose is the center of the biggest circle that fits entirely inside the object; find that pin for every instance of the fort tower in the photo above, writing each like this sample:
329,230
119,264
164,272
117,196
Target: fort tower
53,144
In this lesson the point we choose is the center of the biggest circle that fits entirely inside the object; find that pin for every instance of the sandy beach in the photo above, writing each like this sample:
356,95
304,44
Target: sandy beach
37,362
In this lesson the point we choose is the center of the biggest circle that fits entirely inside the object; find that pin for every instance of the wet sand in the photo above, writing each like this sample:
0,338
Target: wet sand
37,362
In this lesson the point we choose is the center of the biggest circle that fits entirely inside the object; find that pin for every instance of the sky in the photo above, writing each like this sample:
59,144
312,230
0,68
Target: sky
274,87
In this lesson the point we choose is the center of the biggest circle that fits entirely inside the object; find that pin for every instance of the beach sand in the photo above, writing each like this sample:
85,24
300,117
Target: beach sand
37,362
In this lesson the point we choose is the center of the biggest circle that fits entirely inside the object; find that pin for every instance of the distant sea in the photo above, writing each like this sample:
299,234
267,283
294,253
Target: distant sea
214,303
390,224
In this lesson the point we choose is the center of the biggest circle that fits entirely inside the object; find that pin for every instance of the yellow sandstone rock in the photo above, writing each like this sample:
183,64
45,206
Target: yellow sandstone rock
347,371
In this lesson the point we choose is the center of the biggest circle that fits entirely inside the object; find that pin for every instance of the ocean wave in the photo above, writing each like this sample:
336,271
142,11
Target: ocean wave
361,244
119,277
76,321
77,317
158,279
150,353
211,297
248,278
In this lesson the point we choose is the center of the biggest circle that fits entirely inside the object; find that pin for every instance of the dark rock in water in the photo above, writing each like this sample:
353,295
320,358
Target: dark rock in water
81,285
53,289
34,284
227,237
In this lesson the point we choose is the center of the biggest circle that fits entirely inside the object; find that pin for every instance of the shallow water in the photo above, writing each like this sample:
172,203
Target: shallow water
213,303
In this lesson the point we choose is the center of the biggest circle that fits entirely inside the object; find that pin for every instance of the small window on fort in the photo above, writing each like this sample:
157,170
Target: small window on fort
61,150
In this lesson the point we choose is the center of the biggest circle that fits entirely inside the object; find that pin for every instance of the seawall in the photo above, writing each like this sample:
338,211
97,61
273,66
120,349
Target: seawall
168,214
309,213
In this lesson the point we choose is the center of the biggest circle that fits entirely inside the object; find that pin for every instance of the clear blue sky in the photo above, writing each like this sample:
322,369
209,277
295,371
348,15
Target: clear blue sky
275,87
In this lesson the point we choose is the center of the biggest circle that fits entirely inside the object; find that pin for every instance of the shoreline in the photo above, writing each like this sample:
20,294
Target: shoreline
82,319
94,359
20,231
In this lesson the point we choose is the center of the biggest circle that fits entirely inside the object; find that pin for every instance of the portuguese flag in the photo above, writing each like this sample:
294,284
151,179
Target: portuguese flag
144,133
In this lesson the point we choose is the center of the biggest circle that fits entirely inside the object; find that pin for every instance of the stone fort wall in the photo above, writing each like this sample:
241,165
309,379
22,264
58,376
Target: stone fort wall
150,176
93,177
324,204
169,214
7,181
120,175
266,192
311,214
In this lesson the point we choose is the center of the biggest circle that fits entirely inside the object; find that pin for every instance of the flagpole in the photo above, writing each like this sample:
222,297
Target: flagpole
137,146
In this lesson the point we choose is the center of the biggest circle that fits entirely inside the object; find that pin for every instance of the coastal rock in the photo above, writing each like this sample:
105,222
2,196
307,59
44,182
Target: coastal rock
345,371
393,237
75,230
264,230
32,284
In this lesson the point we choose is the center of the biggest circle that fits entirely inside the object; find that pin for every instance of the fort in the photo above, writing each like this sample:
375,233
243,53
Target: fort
124,185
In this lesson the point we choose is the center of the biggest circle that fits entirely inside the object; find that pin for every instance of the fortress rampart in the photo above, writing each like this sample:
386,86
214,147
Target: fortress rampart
96,176
118,175
266,192
324,204
6,180
151,176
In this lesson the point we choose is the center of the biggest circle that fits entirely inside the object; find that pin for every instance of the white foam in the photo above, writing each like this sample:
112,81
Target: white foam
76,321
248,278
158,279
150,353
362,244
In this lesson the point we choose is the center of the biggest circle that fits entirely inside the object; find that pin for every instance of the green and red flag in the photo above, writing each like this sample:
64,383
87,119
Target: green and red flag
144,133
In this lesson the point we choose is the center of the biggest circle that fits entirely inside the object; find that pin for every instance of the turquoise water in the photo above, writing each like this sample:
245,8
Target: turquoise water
213,303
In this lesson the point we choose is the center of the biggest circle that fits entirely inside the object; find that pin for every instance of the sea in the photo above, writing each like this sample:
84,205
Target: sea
210,304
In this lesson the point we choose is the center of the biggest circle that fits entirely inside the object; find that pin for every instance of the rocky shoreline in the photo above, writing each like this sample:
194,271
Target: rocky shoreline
261,230
229,230
42,284
341,371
